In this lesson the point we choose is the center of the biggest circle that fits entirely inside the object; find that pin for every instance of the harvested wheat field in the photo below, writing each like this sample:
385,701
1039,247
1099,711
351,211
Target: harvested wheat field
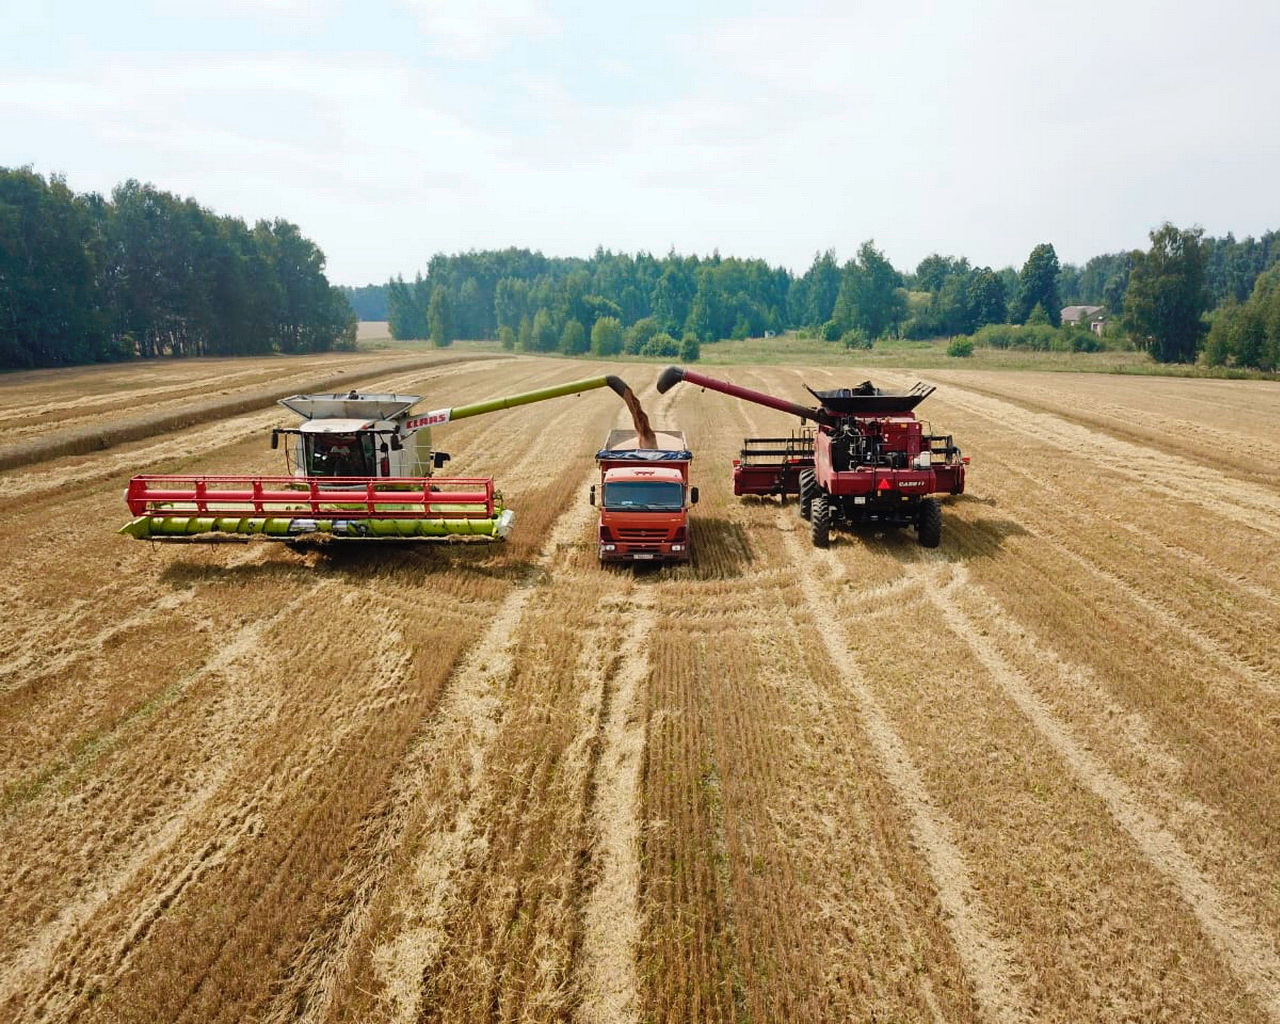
1030,775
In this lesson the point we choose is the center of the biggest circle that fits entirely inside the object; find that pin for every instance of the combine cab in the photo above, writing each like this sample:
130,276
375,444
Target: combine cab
361,467
867,460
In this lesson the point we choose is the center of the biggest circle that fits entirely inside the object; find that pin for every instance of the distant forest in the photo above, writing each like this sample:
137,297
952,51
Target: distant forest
145,274
665,305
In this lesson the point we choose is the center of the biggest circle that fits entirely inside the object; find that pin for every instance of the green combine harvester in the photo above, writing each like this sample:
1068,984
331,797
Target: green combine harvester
360,467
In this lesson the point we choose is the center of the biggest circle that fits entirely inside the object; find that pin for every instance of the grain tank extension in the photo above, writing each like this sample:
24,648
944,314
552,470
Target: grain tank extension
867,460
359,466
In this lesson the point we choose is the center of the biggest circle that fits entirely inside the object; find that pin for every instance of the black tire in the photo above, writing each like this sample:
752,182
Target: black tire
929,523
808,488
820,522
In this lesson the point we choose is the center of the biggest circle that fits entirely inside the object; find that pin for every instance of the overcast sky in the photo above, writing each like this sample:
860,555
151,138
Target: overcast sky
389,130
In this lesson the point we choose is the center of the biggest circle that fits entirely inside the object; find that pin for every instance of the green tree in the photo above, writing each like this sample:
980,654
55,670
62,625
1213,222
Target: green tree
440,319
871,297
987,303
573,339
1166,298
606,336
813,298
638,335
544,336
1248,334
1038,285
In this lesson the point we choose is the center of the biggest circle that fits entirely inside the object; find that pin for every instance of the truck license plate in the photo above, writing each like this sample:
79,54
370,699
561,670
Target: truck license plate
642,555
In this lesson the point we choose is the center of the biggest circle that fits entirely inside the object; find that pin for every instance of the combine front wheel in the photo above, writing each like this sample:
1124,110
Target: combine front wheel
929,523
820,521
808,488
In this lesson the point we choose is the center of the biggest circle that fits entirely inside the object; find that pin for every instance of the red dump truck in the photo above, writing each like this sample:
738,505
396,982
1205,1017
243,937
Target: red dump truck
644,497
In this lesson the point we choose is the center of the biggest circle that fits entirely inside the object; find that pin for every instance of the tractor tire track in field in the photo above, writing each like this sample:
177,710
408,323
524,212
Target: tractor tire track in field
1250,954
449,760
989,959
1250,455
612,923
1174,476
66,940
472,711
1064,542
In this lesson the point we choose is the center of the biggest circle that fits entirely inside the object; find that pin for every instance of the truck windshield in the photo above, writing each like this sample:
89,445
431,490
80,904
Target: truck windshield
635,494
340,454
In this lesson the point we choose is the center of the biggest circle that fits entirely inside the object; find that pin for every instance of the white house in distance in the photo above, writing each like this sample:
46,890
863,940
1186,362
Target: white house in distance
1092,315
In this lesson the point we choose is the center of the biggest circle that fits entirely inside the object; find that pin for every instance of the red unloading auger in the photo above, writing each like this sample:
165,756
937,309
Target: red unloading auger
673,375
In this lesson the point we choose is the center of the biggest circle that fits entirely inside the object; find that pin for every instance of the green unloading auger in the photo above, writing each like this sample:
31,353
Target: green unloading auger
461,412
393,503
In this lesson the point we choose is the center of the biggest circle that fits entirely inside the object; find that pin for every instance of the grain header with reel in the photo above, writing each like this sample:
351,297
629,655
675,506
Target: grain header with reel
358,467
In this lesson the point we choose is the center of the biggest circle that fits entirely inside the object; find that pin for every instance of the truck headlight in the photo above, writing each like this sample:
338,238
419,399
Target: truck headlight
677,547
608,547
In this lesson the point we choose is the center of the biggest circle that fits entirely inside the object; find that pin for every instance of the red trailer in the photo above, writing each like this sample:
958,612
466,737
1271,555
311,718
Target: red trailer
867,459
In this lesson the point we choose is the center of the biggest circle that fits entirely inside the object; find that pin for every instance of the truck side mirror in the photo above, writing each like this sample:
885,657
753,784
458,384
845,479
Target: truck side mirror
591,495
693,495
440,458
275,439
396,445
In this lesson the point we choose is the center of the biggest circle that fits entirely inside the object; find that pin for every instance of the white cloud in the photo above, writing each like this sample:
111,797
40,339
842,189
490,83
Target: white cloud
298,15
480,29
979,131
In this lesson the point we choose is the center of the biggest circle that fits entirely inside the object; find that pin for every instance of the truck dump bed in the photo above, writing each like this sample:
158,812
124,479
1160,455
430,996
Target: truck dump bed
624,445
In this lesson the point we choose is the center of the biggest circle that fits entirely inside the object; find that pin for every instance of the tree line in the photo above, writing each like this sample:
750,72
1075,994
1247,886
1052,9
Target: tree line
1165,298
146,273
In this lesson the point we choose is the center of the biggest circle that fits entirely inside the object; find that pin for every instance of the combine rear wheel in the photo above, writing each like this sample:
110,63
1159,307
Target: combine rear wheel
929,523
820,522
808,488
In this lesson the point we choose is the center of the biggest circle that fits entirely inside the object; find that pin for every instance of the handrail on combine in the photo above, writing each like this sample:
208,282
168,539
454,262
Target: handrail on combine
350,497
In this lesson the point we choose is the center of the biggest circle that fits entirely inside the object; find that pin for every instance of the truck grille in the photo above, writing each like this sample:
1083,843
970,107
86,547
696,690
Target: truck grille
641,534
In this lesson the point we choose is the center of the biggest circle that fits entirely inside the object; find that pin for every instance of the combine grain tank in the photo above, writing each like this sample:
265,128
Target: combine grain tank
868,459
360,466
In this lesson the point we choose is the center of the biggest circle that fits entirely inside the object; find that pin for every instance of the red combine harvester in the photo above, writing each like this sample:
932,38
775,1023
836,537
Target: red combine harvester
869,459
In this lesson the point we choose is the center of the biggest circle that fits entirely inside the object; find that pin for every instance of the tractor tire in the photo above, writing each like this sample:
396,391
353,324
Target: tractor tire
820,522
929,523
808,488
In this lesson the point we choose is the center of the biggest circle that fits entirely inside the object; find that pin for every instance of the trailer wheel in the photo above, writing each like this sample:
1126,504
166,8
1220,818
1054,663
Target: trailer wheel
808,488
929,523
820,522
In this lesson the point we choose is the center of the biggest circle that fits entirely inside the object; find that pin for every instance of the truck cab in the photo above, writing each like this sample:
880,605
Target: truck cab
644,498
